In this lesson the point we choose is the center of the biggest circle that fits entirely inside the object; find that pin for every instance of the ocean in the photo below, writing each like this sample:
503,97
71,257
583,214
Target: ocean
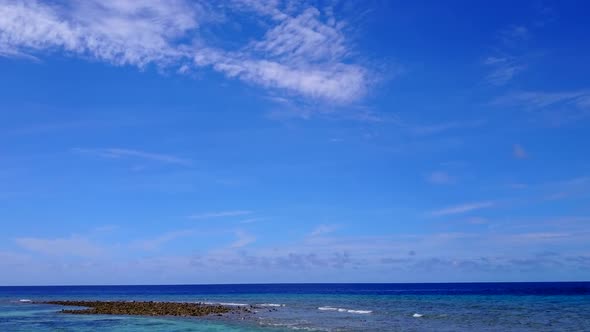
552,306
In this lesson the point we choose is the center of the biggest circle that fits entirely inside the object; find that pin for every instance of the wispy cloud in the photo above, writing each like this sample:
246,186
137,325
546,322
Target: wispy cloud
507,61
220,214
541,236
323,229
437,128
440,177
556,107
514,34
575,182
120,32
250,220
503,68
534,100
567,188
155,243
463,208
61,247
243,239
336,82
489,252
303,52
116,153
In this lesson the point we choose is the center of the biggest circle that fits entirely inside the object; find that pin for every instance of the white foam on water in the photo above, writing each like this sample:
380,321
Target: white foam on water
271,305
294,326
232,304
417,315
228,304
360,311
327,308
25,301
350,311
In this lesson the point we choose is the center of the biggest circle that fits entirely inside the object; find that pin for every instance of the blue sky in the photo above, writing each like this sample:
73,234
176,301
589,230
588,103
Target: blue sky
293,141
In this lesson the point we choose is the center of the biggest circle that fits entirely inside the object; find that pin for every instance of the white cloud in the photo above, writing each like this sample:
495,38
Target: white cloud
464,208
120,32
155,243
303,52
571,188
303,38
554,108
515,34
243,239
541,236
323,229
322,257
72,246
503,69
508,60
220,214
533,100
127,153
437,128
336,82
250,220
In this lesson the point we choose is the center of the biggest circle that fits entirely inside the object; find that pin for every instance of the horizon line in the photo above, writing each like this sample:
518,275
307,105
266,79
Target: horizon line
306,283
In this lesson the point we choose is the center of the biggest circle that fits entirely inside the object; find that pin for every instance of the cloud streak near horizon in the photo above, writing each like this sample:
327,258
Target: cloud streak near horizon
441,252
463,208
116,153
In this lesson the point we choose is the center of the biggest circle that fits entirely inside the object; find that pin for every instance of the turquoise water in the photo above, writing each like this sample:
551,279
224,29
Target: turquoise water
355,307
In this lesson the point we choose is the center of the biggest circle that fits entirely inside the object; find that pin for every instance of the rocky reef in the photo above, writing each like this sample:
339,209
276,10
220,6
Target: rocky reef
146,308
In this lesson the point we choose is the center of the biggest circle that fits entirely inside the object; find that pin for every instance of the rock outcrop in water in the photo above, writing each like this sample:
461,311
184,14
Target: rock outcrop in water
145,308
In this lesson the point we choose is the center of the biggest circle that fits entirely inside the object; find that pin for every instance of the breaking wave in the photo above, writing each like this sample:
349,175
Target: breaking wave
351,311
271,305
229,304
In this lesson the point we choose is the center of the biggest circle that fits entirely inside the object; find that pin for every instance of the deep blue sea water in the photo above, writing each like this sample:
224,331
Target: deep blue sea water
320,307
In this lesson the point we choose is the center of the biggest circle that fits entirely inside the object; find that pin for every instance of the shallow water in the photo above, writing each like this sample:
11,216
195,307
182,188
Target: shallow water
319,307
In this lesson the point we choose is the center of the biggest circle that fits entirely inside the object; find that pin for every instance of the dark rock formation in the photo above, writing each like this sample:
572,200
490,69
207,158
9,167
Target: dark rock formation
145,308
